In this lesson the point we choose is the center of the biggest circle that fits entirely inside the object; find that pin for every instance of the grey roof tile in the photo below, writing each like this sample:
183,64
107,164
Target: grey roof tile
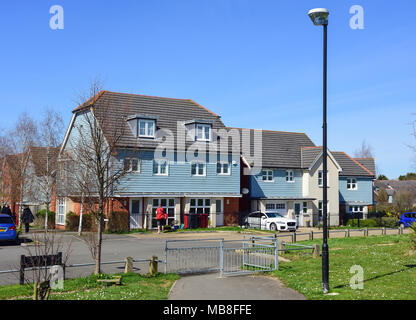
350,167
280,149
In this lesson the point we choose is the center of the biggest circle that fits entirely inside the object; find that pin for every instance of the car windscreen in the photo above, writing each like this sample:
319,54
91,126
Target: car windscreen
274,215
6,220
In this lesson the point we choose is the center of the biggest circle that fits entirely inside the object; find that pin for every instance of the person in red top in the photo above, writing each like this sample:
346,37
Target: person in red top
161,217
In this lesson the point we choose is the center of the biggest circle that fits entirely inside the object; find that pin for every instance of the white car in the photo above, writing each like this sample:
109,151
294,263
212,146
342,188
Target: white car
269,221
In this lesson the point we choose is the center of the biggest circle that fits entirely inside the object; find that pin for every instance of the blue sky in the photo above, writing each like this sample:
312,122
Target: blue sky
256,63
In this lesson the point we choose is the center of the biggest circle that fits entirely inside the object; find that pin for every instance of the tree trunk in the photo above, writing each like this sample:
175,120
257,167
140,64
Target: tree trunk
80,215
46,217
99,242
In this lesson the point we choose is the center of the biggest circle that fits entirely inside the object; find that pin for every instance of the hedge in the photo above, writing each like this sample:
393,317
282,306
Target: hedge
364,223
40,218
72,222
119,222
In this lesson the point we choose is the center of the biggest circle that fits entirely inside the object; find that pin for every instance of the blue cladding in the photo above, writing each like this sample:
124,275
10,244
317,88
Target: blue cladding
278,188
179,178
364,192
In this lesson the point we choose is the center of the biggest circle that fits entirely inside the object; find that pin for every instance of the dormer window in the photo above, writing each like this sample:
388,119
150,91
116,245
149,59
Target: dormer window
203,132
146,128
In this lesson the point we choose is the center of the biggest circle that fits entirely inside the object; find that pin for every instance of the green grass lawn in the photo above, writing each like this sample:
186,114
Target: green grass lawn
389,270
134,287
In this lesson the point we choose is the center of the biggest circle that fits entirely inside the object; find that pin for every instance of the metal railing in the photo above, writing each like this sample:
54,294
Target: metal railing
254,253
251,254
192,256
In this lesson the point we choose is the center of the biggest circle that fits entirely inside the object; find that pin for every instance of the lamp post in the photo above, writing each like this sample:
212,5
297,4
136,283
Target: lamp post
319,17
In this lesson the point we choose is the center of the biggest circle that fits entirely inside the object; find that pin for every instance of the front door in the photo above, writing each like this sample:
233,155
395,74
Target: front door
219,213
297,213
136,215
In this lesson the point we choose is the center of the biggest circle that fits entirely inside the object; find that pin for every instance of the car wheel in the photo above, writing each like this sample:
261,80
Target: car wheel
246,226
273,227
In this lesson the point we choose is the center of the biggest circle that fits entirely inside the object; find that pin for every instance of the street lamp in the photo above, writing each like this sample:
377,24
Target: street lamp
319,17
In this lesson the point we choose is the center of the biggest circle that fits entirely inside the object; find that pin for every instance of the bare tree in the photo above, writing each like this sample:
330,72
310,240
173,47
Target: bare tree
22,137
365,151
45,244
92,159
404,201
51,134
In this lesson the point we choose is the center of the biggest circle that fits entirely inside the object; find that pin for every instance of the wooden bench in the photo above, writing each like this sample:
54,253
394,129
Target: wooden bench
115,280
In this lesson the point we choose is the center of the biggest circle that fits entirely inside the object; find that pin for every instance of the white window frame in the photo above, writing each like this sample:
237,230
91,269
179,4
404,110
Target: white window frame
290,176
159,163
304,207
197,164
147,133
130,165
352,184
61,206
205,208
222,173
270,206
167,207
356,209
321,178
266,173
204,128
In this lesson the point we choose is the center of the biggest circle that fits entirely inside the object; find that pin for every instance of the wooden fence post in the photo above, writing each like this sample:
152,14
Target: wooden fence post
311,235
366,232
281,245
129,265
384,231
153,266
315,252
348,232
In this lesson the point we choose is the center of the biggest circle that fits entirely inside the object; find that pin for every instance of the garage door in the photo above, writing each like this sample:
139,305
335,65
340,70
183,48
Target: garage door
279,208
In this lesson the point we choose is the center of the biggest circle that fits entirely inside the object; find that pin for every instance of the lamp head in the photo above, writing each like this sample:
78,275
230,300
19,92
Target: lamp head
319,16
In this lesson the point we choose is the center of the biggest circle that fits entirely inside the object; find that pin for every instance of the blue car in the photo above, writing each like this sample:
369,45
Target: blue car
407,219
7,229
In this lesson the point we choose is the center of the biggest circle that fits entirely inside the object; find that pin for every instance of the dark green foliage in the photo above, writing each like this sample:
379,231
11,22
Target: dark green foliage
118,222
72,221
382,177
364,223
408,176
40,218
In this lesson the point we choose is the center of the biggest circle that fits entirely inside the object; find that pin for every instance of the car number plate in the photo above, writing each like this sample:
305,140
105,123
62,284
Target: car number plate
2,230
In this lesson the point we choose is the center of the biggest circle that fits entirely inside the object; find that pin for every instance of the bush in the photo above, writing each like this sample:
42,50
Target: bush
72,222
119,222
364,223
389,222
40,218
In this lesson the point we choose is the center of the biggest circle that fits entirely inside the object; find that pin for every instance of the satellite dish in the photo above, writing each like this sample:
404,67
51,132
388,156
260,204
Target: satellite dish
245,191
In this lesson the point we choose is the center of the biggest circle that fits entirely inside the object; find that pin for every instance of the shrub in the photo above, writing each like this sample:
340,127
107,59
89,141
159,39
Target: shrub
72,221
413,236
119,222
389,222
364,223
40,218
